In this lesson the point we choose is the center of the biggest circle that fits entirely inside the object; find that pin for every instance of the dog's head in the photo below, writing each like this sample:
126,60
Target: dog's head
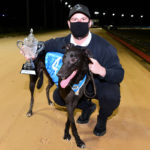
75,61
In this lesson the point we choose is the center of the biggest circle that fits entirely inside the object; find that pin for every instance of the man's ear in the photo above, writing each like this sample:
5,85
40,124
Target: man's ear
68,22
90,23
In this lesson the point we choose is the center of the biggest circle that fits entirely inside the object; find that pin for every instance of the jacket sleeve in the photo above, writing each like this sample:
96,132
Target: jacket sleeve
55,45
49,45
111,62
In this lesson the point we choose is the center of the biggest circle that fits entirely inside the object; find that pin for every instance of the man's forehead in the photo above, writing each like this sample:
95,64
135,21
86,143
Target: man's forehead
79,15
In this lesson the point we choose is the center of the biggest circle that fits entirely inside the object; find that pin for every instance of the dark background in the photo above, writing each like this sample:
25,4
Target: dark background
18,15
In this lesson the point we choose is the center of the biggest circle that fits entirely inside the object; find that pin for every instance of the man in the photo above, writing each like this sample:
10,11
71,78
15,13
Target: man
107,70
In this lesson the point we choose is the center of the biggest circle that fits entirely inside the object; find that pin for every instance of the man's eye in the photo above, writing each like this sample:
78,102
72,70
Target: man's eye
84,19
74,19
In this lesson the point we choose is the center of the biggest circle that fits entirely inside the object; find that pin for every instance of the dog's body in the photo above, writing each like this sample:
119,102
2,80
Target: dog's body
73,70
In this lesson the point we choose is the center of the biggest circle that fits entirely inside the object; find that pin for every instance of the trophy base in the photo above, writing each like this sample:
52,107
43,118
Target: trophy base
27,71
32,72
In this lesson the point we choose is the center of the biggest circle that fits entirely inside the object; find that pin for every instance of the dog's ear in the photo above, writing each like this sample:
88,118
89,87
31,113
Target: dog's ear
89,60
86,53
68,46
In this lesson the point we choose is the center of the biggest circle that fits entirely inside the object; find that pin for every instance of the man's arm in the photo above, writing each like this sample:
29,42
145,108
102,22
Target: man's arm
111,69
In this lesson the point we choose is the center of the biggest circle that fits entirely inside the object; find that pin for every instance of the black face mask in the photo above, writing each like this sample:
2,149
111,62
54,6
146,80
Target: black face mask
79,29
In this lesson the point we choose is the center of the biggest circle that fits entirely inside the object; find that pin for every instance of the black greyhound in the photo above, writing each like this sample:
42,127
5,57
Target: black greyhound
73,70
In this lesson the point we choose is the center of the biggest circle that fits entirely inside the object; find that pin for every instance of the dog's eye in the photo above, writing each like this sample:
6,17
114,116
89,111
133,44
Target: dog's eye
71,55
73,60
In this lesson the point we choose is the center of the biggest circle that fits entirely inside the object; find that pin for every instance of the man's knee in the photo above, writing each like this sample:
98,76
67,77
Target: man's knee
110,96
111,102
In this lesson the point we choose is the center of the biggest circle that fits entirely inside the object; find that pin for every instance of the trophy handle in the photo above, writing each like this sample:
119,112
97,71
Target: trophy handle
19,44
41,46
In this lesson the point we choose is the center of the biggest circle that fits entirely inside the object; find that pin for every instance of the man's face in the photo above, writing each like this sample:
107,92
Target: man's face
79,17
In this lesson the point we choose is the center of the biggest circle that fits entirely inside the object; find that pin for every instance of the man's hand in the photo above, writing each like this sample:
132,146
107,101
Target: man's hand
96,68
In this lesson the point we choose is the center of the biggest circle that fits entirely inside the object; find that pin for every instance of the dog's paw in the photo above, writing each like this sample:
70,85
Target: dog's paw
81,144
29,114
50,103
67,137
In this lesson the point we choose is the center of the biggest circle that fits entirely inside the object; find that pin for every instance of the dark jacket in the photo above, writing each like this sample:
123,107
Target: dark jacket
101,50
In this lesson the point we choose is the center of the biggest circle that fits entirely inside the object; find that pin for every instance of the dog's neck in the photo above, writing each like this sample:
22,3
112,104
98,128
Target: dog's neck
79,76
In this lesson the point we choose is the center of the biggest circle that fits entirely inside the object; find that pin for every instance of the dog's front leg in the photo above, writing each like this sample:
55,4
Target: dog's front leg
67,136
33,80
79,142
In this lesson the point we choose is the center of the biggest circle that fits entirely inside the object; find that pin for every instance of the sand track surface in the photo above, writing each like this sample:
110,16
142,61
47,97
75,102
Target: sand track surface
128,129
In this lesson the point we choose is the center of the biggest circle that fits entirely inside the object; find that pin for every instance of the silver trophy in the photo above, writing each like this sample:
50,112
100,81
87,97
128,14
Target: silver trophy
31,47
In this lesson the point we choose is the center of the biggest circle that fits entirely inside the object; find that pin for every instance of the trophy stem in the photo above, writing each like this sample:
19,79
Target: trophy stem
29,64
32,64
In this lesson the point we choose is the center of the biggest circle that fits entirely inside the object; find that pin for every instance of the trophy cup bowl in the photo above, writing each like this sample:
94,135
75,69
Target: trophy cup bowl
30,47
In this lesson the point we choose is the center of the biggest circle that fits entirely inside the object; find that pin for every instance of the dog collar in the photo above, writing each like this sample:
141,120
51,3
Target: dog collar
76,87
